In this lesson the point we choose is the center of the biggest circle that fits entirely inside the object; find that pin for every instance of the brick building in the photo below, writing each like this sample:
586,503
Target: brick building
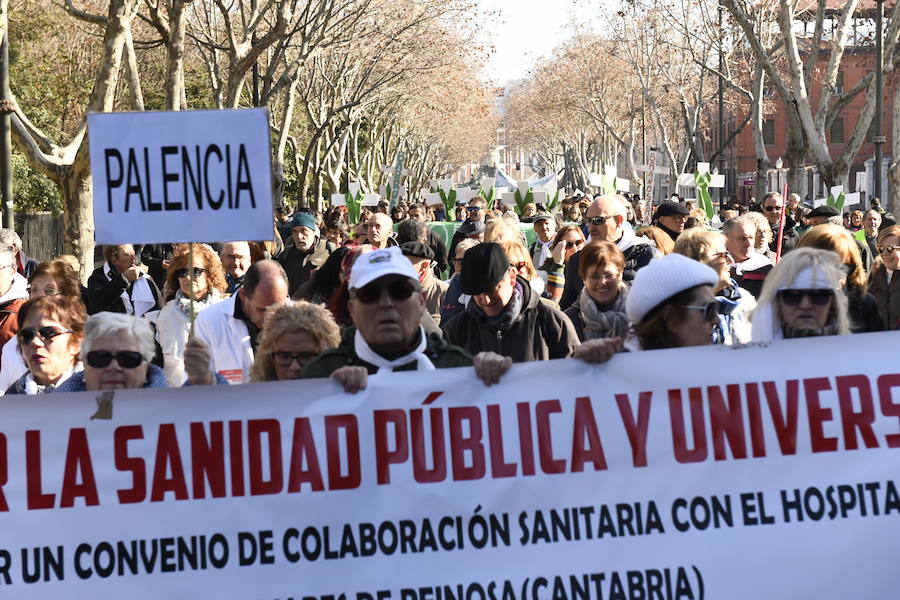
858,60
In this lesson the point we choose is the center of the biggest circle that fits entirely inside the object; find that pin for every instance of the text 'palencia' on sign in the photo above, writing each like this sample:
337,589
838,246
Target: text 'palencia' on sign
177,178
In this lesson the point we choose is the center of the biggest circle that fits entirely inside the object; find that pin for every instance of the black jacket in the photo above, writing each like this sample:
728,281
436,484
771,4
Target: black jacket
636,257
790,237
105,293
153,256
864,314
298,265
441,354
540,332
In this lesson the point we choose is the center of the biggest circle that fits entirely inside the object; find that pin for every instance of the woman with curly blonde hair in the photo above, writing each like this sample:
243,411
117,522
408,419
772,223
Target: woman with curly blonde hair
207,287
293,334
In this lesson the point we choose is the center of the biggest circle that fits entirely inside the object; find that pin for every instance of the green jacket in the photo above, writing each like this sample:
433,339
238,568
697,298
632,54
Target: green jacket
441,354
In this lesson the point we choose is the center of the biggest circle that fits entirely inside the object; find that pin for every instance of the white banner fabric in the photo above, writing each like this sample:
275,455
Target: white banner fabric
184,176
737,473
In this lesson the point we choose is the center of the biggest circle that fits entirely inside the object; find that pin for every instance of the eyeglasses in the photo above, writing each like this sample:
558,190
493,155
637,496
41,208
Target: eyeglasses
399,290
27,335
598,220
473,208
772,208
45,291
710,310
718,255
795,297
518,265
182,273
127,359
887,249
576,243
286,359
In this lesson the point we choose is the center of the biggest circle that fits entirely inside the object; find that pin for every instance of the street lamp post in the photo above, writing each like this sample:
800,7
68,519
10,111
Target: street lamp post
721,108
878,138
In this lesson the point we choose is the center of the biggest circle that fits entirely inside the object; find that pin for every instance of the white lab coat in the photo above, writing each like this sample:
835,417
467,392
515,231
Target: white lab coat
231,354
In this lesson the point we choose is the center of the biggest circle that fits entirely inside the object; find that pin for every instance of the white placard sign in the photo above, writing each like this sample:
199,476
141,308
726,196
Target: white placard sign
338,200
539,197
703,167
623,185
837,191
464,194
851,199
354,188
595,179
613,481
432,198
508,198
523,187
371,199
716,181
487,183
861,181
687,180
819,202
183,176
446,185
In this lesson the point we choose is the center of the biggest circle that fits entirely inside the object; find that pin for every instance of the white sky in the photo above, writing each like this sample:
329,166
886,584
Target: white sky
526,30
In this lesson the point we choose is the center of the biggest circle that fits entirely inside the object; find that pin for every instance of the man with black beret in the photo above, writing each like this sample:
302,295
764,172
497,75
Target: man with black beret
306,252
671,216
824,214
505,315
422,258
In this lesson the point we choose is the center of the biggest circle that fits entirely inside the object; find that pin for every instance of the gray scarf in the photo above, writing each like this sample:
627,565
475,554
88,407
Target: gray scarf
600,324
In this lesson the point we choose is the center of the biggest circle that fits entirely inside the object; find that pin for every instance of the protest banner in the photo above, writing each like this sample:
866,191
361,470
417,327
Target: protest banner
567,481
184,176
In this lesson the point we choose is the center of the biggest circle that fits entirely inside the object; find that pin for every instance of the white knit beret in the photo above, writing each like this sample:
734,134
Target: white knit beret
661,279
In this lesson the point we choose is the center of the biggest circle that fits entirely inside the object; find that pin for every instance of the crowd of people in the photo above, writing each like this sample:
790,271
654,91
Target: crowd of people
331,298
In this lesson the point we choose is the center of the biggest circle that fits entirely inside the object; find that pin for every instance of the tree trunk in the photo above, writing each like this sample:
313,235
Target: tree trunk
78,218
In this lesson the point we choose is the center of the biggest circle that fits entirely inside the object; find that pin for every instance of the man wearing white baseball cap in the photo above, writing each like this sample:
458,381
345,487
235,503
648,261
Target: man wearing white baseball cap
386,306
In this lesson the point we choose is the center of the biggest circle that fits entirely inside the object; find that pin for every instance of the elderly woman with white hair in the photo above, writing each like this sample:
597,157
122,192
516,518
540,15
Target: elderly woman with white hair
116,352
802,297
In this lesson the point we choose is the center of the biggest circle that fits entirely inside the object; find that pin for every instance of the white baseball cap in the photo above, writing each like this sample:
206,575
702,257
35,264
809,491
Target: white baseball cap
378,263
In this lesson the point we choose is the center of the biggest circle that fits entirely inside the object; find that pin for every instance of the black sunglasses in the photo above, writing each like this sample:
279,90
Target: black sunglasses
182,273
284,359
127,359
399,290
888,249
27,335
772,208
710,310
795,297
598,220
473,208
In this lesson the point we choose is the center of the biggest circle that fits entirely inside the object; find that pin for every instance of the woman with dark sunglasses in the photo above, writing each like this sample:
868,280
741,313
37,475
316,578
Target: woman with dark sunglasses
207,287
116,351
884,282
50,336
50,278
802,297
671,304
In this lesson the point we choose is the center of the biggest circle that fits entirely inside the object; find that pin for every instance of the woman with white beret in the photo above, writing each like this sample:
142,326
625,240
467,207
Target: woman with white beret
672,304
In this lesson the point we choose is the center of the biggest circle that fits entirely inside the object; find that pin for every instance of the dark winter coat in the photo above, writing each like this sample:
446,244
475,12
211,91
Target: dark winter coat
540,331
